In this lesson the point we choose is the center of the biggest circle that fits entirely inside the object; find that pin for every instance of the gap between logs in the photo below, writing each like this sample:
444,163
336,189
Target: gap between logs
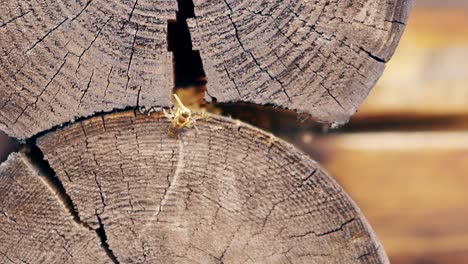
8,145
190,81
190,84
187,64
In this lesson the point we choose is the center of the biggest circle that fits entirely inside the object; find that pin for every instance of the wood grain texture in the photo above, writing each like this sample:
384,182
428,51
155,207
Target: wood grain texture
63,60
220,195
68,60
319,57
34,225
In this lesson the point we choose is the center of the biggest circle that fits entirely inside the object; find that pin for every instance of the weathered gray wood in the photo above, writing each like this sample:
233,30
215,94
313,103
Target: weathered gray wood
319,57
67,60
35,227
224,194
60,60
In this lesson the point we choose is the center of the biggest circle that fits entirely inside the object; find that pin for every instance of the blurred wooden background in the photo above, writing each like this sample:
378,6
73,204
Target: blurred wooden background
404,157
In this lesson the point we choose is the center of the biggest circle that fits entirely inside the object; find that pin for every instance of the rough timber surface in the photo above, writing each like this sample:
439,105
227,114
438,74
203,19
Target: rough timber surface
63,60
320,57
223,194
35,227
66,59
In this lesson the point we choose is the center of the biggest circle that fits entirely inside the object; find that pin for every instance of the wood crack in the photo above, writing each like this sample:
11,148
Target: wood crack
46,35
314,29
379,59
108,80
101,232
187,63
33,157
82,10
130,15
13,19
233,81
43,90
86,89
339,228
91,43
131,57
236,32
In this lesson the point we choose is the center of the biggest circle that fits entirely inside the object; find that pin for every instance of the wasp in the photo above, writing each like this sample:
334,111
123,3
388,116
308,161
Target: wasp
180,117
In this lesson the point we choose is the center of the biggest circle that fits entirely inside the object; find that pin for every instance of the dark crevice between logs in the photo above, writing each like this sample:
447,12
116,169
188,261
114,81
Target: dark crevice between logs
8,145
281,122
299,129
190,83
34,158
187,63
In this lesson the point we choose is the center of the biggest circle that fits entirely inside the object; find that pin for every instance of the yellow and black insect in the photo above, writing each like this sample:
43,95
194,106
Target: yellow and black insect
180,117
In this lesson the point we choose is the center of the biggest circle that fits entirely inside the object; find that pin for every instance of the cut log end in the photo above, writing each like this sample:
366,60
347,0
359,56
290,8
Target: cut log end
74,60
315,57
221,193
68,60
